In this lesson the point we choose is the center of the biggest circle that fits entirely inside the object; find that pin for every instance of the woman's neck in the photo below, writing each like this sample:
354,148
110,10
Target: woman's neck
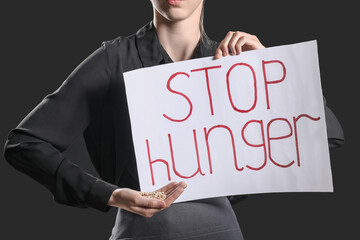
178,38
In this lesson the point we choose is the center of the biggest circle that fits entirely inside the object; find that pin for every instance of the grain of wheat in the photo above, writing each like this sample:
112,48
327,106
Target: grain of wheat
154,195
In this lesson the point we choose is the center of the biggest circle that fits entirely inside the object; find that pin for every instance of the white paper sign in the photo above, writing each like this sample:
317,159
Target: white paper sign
252,123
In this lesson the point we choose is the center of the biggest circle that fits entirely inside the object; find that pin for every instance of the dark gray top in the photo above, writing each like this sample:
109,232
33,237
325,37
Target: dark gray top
92,102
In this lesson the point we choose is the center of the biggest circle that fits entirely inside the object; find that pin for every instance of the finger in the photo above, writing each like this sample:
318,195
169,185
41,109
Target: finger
218,53
224,43
178,191
248,35
233,41
182,184
249,44
172,190
149,203
173,196
239,44
168,186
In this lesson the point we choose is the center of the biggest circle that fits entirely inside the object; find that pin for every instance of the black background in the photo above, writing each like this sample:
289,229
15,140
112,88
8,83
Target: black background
43,41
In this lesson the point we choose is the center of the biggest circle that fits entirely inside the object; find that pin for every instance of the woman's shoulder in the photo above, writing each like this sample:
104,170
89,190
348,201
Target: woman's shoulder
123,53
119,42
120,48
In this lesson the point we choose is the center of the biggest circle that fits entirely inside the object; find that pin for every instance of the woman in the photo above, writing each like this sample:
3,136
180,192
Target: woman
92,102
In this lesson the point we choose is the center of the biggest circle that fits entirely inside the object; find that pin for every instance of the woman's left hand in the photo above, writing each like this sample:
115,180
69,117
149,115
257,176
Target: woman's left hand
237,42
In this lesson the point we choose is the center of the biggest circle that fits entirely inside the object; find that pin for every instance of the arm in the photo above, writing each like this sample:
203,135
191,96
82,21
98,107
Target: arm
35,146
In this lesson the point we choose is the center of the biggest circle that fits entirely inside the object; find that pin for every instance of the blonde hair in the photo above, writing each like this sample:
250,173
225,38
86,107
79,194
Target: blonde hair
203,36
202,30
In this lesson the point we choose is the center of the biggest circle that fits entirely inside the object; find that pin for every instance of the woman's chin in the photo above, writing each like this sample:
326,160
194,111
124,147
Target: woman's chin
177,14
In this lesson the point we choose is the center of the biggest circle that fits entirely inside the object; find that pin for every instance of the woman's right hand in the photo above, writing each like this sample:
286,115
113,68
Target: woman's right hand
132,201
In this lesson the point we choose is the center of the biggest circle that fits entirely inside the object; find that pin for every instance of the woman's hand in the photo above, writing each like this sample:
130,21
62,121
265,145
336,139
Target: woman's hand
132,201
237,42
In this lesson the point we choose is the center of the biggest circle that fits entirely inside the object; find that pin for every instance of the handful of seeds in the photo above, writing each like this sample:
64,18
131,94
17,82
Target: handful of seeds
154,195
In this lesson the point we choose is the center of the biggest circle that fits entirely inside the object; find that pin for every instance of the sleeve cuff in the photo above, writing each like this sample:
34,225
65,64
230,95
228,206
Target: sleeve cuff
100,194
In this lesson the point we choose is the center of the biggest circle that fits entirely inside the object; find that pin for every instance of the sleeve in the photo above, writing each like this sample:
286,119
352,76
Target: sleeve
334,130
35,146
